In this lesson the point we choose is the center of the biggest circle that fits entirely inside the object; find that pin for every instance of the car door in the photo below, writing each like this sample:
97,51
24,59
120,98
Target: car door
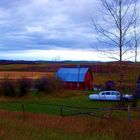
113,96
107,96
103,96
118,96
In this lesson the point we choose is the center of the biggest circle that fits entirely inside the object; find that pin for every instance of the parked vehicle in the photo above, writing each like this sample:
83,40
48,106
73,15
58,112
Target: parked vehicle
110,96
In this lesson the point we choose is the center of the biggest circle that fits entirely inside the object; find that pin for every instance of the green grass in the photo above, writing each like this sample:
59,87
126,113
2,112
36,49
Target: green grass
49,104
46,104
71,98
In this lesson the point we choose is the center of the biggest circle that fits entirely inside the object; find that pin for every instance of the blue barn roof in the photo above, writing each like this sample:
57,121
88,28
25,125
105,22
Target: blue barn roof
72,74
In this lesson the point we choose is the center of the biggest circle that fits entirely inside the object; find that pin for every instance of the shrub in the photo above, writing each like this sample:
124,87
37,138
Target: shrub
40,84
24,85
110,85
48,85
8,88
55,84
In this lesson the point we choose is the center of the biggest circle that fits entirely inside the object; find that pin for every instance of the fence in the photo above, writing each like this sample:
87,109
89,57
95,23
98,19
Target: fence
65,111
104,113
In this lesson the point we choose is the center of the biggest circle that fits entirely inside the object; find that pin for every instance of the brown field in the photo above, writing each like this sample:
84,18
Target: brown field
85,127
17,74
101,71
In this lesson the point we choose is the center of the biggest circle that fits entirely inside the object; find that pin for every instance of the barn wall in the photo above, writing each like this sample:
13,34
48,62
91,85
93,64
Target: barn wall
88,82
73,85
86,85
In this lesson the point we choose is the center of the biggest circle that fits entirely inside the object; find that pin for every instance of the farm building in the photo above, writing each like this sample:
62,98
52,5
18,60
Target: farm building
76,78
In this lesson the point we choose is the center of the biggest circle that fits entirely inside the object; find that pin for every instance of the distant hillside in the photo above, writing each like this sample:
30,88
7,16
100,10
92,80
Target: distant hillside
52,66
43,61
65,62
5,62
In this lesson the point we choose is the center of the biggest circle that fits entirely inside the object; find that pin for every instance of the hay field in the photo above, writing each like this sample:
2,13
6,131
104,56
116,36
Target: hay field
102,72
16,74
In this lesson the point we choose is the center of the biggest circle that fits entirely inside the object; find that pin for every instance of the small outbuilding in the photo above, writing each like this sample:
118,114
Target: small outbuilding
76,78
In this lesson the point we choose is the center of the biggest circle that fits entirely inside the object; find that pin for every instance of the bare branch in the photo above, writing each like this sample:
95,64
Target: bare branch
127,8
104,32
122,15
112,12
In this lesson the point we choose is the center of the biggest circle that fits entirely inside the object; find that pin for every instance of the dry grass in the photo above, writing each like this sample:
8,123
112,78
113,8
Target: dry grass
17,75
101,71
130,78
83,127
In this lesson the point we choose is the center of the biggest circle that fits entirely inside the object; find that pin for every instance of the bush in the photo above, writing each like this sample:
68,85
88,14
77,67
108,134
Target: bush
8,88
110,85
40,84
14,88
24,85
48,85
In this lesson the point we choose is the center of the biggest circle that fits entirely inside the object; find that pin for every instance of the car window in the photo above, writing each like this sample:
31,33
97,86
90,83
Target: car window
114,93
107,93
103,93
118,93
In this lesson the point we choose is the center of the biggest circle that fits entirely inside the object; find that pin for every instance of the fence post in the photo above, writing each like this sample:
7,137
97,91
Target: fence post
23,111
61,110
110,114
129,114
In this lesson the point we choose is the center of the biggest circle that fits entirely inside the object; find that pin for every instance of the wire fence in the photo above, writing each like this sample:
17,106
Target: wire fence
66,111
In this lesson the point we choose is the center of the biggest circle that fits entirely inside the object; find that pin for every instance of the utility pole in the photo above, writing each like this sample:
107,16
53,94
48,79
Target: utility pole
78,84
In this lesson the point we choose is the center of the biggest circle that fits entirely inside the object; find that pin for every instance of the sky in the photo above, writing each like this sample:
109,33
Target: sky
49,30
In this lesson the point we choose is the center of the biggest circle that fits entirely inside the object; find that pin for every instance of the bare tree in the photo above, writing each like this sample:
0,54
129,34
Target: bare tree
136,34
118,18
135,46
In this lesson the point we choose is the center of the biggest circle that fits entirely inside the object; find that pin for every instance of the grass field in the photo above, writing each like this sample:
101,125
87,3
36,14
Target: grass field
35,102
43,122
39,127
48,104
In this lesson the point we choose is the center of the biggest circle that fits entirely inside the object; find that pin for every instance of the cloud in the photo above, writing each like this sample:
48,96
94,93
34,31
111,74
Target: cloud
46,25
28,24
53,55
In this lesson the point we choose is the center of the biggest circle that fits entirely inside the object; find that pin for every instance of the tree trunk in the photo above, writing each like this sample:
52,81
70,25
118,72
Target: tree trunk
120,47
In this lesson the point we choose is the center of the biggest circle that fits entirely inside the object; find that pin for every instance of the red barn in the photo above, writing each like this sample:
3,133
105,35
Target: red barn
76,78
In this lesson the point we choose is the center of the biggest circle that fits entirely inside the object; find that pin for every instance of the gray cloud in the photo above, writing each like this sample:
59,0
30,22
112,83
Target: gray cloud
43,24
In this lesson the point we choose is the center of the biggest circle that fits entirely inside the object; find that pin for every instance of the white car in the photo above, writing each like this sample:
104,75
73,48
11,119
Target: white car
110,96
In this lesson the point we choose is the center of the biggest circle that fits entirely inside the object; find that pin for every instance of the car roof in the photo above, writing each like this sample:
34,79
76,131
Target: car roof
110,91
